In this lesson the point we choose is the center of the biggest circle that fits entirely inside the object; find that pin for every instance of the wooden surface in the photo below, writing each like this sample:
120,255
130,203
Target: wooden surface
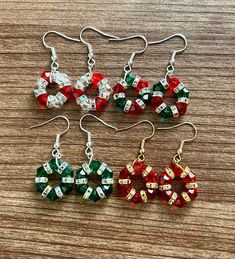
32,227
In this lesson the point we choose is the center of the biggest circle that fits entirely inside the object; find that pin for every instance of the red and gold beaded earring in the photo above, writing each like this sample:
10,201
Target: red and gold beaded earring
170,85
130,81
51,77
176,172
138,168
92,79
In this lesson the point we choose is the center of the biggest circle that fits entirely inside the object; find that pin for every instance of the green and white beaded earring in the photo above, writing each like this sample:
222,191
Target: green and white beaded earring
95,168
57,167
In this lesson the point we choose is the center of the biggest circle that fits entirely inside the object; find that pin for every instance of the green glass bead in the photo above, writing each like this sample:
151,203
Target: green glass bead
94,165
182,93
52,195
41,172
107,173
81,188
167,113
53,165
94,196
80,174
130,79
107,189
40,187
68,171
121,102
146,98
66,188
159,87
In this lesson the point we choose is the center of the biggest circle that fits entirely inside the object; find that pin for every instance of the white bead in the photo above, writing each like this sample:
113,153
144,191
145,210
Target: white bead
81,181
107,181
100,192
41,180
46,191
87,193
160,108
58,192
127,106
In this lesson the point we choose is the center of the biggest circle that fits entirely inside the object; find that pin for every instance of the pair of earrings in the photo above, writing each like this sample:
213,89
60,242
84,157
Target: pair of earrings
145,94
154,183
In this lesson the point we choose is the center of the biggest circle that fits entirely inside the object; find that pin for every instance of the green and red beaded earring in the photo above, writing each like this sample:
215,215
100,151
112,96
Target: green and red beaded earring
130,81
176,172
95,80
57,167
94,168
50,77
138,168
170,85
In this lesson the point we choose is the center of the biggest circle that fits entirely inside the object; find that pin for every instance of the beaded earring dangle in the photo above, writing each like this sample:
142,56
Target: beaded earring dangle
93,79
95,168
51,77
170,85
176,171
55,166
135,169
130,81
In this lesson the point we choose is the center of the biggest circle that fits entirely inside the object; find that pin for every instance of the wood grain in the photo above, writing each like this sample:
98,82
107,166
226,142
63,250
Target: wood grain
73,228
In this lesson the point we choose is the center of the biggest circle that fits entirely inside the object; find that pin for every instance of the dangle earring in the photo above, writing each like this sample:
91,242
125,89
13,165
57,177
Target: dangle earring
57,167
143,92
176,171
95,168
170,85
48,78
135,169
95,80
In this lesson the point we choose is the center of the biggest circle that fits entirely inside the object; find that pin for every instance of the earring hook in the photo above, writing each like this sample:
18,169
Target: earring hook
180,35
91,60
180,149
54,64
89,150
141,156
128,67
58,135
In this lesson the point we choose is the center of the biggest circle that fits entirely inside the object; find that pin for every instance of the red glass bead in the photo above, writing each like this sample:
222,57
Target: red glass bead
43,99
164,179
96,78
156,102
182,108
190,178
192,193
139,167
132,109
118,88
46,76
142,84
124,174
137,107
124,189
66,91
180,201
166,195
77,93
172,83
176,169
137,198
100,103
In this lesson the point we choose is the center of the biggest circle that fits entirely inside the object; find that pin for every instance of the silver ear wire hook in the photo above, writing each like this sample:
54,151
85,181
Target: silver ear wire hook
89,151
55,65
180,149
180,35
91,60
55,152
128,67
141,155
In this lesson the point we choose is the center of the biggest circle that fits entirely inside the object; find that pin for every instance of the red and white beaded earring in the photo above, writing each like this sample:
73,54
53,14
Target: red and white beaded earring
170,85
138,168
176,172
130,81
51,77
93,79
